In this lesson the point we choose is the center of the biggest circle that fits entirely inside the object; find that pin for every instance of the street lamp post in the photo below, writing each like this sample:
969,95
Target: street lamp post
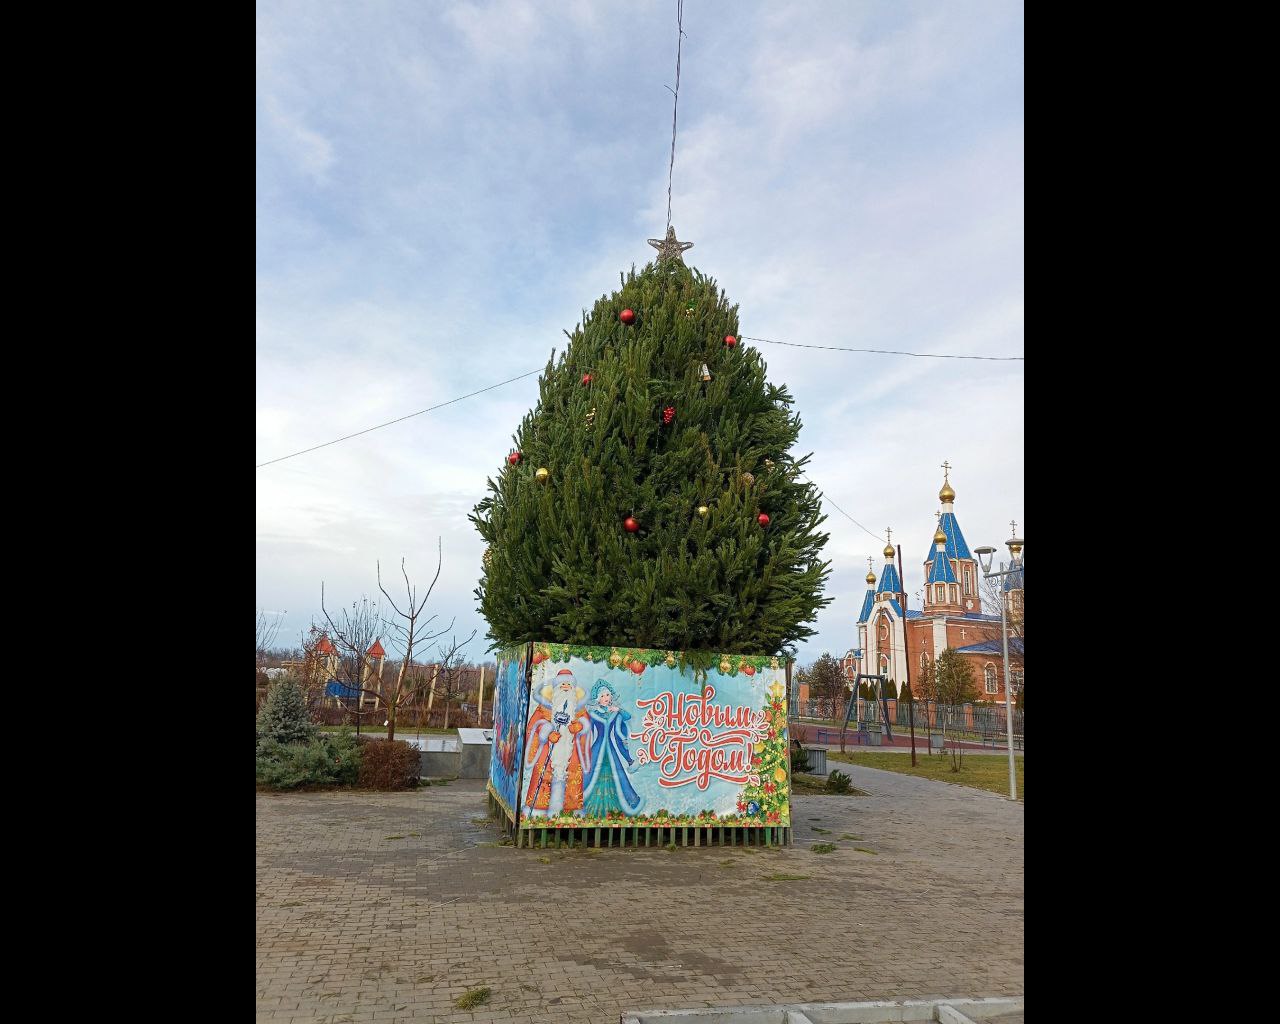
985,553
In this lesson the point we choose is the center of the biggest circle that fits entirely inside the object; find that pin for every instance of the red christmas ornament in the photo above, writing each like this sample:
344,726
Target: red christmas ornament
539,657
637,666
668,414
631,525
627,316
749,670
586,378
762,519
730,340
513,458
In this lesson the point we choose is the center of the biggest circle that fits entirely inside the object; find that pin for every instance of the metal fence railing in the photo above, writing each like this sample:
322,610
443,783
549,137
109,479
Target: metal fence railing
977,718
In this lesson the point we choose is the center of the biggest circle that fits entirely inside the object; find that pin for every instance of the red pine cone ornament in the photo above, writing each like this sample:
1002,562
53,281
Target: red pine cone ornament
762,519
730,340
627,316
668,414
513,458
631,525
637,666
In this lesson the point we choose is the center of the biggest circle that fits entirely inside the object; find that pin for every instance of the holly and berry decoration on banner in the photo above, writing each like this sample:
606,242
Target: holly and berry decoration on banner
614,543
636,660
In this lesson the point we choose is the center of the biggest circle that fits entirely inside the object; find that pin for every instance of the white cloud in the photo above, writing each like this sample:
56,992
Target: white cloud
442,189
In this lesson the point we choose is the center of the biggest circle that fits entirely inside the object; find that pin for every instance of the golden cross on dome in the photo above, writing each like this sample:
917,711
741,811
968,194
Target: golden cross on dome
888,536
870,564
938,516
946,469
669,248
1013,525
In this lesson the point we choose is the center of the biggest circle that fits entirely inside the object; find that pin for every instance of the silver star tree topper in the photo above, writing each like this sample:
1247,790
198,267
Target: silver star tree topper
669,248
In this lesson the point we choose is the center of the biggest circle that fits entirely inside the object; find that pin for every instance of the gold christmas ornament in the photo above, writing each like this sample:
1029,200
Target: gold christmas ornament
768,463
542,474
671,659
773,663
591,416
725,666
487,558
748,479
615,659
703,510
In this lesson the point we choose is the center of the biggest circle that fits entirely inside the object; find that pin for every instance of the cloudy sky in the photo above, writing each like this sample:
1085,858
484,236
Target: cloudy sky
443,187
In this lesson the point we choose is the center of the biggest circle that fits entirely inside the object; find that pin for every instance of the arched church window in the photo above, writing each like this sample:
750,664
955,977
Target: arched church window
990,673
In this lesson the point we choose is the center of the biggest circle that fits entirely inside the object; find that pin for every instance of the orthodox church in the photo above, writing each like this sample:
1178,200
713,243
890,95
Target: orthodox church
952,617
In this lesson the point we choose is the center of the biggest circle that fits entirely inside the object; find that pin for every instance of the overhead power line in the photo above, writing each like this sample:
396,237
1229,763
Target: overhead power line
825,497
885,351
398,419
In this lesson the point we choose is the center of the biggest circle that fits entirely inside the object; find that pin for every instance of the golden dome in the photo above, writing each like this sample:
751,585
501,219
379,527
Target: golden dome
939,537
888,551
947,493
871,577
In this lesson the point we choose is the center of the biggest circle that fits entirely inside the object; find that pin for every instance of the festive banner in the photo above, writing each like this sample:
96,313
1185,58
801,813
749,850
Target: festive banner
620,737
510,697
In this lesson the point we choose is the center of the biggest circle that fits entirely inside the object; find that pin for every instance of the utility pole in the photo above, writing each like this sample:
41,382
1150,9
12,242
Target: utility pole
906,661
984,554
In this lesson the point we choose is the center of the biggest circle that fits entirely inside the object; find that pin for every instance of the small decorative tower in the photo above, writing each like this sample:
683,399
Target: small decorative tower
890,586
951,571
940,591
328,657
375,654
1013,583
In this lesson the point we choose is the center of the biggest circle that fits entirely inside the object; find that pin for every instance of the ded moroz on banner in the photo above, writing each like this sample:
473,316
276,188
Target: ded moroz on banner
620,738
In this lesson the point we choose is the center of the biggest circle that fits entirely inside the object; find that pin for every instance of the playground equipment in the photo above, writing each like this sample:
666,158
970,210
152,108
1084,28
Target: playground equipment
882,706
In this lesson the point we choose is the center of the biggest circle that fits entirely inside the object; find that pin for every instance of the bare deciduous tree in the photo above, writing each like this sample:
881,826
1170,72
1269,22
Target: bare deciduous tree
353,634
455,680
268,627
993,594
411,630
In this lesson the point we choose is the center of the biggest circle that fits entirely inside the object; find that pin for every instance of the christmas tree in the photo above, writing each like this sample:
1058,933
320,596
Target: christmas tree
651,499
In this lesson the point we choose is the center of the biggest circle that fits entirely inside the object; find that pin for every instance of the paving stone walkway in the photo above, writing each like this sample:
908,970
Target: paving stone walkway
389,906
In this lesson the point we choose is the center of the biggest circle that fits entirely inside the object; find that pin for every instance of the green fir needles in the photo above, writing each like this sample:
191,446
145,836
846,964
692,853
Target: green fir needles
671,514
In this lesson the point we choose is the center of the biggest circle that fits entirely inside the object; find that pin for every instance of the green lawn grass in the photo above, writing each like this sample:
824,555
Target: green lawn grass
979,771
972,735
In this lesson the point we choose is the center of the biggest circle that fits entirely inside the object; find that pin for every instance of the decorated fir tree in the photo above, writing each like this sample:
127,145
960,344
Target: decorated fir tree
651,498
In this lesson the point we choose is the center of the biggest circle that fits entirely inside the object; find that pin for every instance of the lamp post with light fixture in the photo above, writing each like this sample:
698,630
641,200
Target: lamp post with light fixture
984,554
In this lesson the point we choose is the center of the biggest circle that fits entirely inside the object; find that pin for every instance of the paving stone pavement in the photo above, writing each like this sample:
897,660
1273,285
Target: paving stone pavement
389,906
